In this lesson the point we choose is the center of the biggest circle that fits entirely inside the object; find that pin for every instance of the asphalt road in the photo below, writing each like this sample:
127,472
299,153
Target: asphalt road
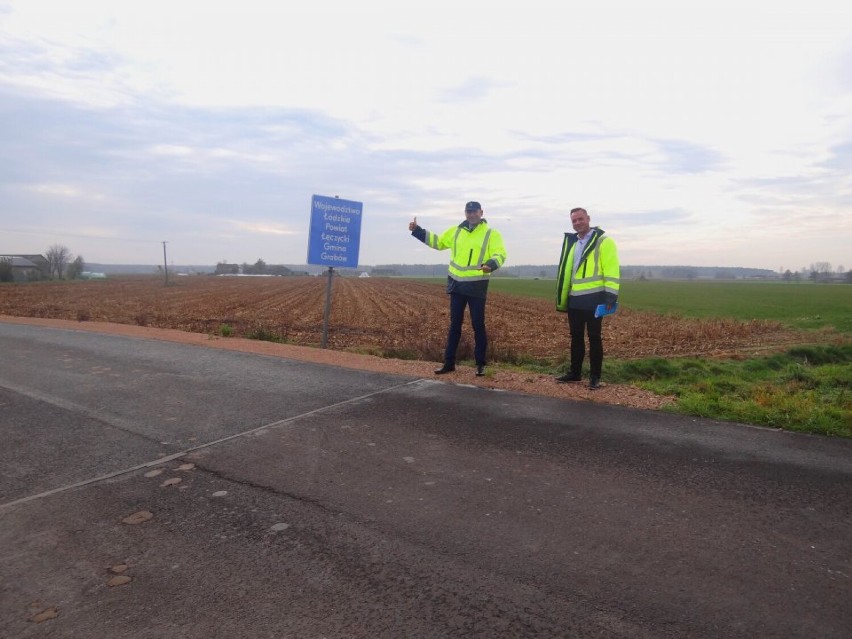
289,499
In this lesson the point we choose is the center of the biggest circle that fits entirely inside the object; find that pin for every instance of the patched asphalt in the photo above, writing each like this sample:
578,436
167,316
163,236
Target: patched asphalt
153,489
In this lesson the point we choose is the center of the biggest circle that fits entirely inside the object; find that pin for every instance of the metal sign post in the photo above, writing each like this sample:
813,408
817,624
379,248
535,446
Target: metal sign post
334,240
327,307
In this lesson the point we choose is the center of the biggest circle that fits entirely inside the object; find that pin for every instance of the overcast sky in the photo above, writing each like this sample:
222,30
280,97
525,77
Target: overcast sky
703,133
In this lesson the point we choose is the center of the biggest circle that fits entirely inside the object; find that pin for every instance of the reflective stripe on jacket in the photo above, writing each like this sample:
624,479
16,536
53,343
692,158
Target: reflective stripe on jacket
470,249
596,280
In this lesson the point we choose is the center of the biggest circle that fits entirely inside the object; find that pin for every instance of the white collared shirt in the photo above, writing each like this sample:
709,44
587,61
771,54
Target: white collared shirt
580,247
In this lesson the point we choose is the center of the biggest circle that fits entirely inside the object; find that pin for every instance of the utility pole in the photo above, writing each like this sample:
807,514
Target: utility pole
165,263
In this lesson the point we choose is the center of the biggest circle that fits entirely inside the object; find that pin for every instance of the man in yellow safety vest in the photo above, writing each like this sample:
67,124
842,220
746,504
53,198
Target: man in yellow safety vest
588,276
476,251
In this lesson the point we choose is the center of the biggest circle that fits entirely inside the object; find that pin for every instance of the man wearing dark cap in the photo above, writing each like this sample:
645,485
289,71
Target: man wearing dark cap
476,251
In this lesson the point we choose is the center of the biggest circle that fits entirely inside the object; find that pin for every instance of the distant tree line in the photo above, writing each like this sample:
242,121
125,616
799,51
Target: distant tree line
62,264
819,272
258,268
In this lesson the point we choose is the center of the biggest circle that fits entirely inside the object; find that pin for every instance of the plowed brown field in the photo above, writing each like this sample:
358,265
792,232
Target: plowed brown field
385,316
403,321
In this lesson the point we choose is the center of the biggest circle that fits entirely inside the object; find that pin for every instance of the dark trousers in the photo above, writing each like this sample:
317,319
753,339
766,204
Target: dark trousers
581,321
477,319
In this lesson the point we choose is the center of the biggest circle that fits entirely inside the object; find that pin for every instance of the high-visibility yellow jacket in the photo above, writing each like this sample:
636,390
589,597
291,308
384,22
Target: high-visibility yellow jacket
469,250
596,280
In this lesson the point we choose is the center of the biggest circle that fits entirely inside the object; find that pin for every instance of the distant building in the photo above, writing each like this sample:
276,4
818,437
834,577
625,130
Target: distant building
41,262
24,269
278,269
223,268
33,267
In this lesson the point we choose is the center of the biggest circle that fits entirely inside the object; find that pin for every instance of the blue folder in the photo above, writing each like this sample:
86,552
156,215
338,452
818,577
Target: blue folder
601,310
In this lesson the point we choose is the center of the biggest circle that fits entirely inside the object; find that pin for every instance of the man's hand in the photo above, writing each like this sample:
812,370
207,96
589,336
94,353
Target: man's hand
486,269
412,225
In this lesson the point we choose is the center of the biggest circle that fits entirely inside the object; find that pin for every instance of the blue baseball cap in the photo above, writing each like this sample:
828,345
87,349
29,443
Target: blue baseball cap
472,206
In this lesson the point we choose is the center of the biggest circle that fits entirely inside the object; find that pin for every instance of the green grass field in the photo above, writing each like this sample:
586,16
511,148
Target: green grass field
802,305
806,389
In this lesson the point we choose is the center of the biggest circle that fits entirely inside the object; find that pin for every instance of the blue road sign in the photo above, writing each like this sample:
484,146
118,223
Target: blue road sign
335,235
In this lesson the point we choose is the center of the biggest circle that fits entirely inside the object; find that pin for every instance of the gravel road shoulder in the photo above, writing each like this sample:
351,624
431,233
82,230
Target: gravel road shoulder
496,378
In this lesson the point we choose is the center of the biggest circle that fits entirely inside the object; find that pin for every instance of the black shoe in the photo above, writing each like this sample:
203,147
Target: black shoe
480,371
594,383
569,377
446,368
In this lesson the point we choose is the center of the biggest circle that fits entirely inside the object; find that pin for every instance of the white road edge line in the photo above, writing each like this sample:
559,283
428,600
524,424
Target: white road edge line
178,455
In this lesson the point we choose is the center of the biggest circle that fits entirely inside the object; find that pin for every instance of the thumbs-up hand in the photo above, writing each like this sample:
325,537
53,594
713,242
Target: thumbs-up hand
412,225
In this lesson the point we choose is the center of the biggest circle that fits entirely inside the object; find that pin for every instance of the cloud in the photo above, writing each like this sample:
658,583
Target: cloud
265,229
682,156
471,90
212,134
840,158
647,219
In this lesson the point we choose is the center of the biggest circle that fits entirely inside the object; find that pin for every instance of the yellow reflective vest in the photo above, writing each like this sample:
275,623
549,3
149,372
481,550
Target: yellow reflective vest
469,249
596,279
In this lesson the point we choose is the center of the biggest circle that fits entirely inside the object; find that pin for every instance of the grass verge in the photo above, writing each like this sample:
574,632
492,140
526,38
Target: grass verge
806,389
